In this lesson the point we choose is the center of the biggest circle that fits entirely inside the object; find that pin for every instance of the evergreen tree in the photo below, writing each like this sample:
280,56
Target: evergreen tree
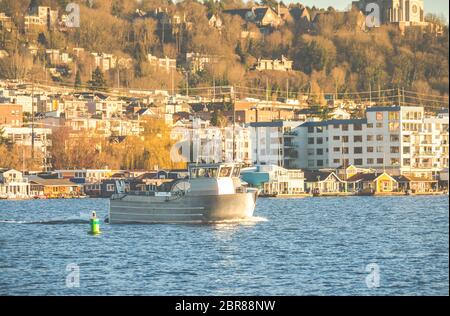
98,81
77,79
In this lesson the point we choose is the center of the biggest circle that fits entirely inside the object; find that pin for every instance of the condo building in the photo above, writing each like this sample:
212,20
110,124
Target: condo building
401,140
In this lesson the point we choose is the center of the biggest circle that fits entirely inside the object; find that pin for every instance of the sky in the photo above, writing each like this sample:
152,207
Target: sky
431,6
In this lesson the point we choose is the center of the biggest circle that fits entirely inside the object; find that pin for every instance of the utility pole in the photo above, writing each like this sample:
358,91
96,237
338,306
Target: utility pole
187,84
173,83
287,90
118,78
214,89
32,118
403,95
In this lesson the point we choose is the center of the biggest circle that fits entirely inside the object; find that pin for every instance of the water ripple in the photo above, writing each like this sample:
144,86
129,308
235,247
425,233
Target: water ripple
306,246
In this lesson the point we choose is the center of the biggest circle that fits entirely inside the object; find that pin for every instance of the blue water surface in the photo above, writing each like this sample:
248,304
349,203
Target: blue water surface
312,246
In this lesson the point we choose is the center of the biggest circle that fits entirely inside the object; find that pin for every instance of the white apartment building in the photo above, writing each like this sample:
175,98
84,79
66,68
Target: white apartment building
271,142
42,16
200,142
23,137
401,140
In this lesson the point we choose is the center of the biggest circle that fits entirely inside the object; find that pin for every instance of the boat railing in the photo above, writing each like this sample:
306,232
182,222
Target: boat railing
141,193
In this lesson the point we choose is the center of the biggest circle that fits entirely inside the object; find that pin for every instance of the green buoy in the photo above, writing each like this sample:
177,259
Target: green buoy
94,225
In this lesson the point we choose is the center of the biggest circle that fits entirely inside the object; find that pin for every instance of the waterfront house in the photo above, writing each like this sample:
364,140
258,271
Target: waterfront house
273,180
350,171
54,188
150,181
373,183
323,182
416,184
13,184
84,175
105,188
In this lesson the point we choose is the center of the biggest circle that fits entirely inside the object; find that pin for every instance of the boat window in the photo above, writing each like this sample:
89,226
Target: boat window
204,173
225,172
194,173
236,172
211,172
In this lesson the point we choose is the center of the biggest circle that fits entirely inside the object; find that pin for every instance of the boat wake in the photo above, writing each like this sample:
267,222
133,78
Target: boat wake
54,221
249,220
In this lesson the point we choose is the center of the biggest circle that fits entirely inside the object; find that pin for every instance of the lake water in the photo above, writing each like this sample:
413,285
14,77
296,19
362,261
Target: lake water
312,246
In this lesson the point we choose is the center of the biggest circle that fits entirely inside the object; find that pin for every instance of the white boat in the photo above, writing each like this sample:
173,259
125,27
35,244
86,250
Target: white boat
213,192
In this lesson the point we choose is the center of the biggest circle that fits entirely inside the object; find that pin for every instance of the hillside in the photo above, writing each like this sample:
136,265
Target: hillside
332,55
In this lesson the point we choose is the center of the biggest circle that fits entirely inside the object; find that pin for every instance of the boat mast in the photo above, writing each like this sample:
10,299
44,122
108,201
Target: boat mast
232,100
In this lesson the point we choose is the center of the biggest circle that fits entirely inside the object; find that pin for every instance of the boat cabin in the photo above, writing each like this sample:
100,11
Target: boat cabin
215,179
214,171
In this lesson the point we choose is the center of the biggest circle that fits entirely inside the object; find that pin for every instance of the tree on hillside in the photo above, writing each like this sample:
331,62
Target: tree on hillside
3,138
78,79
98,81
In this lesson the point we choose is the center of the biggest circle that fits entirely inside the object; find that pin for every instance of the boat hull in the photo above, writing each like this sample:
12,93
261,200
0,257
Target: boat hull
184,209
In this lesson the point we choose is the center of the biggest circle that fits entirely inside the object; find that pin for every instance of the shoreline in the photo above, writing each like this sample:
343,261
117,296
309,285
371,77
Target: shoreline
281,196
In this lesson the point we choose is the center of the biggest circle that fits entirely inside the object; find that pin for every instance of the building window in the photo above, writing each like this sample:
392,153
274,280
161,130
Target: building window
319,129
370,149
370,138
395,138
357,139
380,149
395,150
336,138
357,127
345,127
310,140
345,150
379,138
358,162
319,163
379,116
336,149
395,161
110,187
394,116
310,163
319,151
369,125
370,161
406,161
335,125
310,152
336,161
358,150
379,125
345,139
310,129
380,161
319,140
394,126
